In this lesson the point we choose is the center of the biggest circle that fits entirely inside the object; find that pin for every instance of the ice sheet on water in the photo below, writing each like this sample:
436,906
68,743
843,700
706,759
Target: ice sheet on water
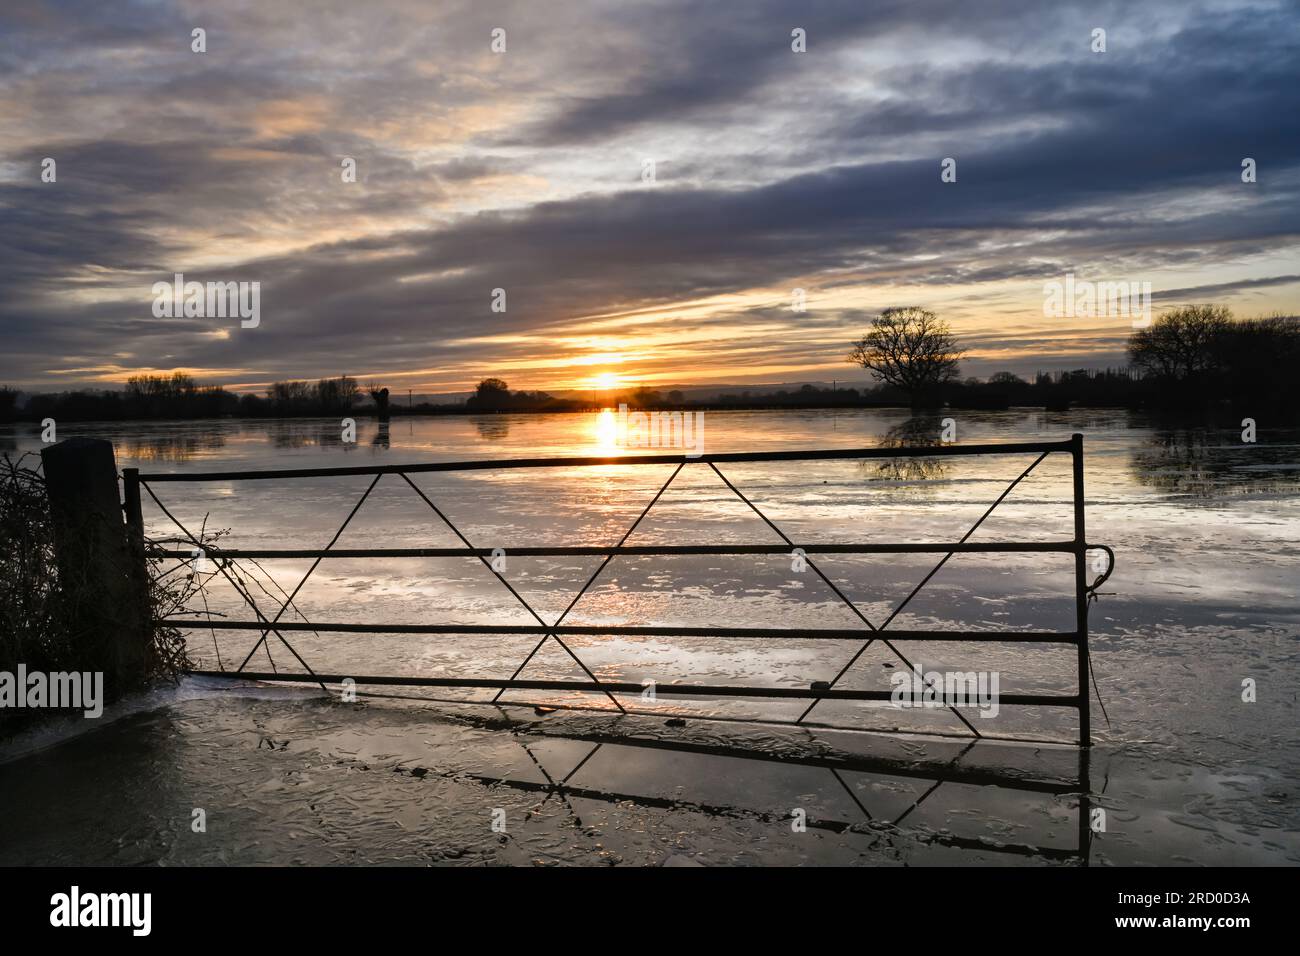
1203,597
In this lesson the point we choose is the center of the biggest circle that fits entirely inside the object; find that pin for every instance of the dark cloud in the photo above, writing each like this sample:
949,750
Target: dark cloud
1204,291
820,170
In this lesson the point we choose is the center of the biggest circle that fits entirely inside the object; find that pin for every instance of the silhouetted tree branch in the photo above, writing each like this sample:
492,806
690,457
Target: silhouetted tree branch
910,348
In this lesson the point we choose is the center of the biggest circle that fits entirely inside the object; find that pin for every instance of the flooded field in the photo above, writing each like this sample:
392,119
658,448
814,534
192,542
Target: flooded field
1204,596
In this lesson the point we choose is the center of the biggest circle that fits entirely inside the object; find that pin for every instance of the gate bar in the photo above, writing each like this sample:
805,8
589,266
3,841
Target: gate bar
1056,547
490,464
625,687
630,630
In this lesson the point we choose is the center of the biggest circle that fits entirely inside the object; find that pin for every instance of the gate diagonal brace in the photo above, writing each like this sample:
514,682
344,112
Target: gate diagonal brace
591,580
916,590
520,598
315,564
243,593
843,598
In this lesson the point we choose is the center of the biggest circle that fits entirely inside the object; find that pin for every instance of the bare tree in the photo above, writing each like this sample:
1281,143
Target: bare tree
910,348
380,396
337,395
1181,345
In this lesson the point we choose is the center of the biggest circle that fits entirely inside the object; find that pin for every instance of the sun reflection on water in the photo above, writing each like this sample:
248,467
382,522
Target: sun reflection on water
605,434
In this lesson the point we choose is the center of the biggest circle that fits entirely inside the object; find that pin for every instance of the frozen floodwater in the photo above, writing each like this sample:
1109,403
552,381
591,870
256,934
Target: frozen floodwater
1205,530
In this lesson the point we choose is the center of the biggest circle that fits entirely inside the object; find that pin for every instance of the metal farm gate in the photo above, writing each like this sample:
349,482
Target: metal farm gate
270,623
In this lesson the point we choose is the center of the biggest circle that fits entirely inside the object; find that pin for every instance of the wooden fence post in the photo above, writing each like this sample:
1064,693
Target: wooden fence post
101,574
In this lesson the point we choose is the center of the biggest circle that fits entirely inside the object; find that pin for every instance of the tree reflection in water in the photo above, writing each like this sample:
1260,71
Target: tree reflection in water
1216,464
169,447
492,427
919,431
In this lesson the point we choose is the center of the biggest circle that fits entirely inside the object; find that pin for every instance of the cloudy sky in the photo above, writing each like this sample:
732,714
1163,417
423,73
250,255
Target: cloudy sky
525,170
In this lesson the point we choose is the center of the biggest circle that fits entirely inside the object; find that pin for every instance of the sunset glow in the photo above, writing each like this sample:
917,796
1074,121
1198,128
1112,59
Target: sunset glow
605,381
779,221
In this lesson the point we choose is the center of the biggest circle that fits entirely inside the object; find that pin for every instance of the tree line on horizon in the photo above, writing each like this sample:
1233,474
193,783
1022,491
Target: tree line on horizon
1192,358
178,395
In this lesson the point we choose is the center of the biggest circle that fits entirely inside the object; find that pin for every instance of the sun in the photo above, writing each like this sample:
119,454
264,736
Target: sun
605,381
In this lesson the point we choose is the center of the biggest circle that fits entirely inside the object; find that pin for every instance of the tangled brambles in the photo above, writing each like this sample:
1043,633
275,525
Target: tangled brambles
41,602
